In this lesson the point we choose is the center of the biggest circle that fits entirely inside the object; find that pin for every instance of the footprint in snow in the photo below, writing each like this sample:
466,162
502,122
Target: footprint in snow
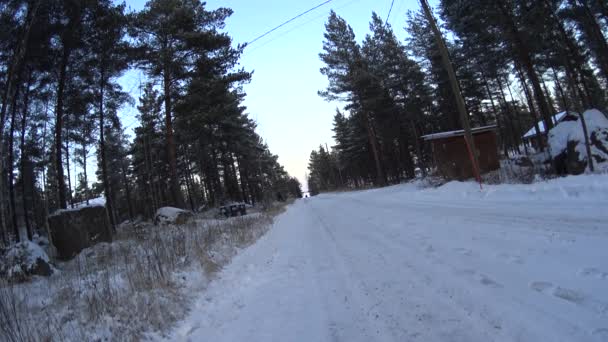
487,281
515,259
601,333
465,272
482,278
568,294
540,286
464,251
593,272
557,291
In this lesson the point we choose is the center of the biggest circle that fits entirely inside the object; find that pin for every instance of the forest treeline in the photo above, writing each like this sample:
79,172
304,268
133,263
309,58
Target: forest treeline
518,62
194,145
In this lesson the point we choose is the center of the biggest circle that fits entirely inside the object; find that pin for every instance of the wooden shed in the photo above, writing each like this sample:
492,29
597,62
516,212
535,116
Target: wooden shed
451,156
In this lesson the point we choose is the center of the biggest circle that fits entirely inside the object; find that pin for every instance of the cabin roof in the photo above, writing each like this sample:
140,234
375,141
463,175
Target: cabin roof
449,134
541,124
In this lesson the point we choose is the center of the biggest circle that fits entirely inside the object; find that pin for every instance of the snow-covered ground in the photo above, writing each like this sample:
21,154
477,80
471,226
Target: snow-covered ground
137,286
506,263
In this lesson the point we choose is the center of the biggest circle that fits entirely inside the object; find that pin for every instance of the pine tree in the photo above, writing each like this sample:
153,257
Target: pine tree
170,35
108,58
350,80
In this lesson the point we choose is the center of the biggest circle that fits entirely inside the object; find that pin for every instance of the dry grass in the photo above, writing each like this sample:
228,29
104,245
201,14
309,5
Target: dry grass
142,282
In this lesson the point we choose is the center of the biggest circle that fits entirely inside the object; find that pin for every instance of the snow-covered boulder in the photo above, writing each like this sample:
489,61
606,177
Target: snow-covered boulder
171,215
23,260
567,142
73,230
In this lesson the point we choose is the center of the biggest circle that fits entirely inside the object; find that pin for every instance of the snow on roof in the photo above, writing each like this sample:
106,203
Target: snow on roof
541,124
442,135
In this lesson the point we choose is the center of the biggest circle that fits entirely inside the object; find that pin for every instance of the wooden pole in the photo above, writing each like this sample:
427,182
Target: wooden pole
462,109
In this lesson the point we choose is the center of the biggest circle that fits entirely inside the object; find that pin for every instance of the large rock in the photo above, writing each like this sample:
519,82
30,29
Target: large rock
24,259
170,215
567,143
77,229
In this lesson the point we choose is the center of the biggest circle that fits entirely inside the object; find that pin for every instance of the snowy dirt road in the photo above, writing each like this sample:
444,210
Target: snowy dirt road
400,265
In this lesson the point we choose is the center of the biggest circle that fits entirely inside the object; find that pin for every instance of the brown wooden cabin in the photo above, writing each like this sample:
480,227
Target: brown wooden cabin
451,156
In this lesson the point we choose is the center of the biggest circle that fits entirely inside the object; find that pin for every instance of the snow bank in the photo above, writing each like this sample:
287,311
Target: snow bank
571,131
24,259
130,289
168,215
583,187
589,187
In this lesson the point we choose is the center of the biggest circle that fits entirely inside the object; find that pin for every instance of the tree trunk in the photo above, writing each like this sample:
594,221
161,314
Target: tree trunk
509,117
596,40
15,65
45,190
102,150
67,166
59,127
171,154
188,182
24,157
539,134
517,120
587,142
523,53
560,90
373,141
154,203
11,163
582,117
243,179
549,98
572,60
495,112
127,189
460,103
84,172
416,133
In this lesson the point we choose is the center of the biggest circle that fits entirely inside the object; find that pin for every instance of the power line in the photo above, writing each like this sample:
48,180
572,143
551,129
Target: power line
389,11
300,25
288,31
288,21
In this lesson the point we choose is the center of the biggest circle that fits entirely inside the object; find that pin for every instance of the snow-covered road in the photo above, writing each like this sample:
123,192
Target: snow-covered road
400,264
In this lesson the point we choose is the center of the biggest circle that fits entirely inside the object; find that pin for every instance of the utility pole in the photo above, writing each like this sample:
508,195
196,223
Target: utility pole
449,68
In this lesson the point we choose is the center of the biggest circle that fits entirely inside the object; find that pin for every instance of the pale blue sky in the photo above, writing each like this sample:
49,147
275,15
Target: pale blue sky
282,96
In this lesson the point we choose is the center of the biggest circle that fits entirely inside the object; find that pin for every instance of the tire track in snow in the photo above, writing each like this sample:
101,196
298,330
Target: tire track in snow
565,326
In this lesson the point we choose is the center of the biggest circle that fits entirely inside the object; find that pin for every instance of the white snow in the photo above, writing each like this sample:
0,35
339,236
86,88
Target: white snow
403,263
541,124
131,289
168,214
566,131
21,258
93,202
29,251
